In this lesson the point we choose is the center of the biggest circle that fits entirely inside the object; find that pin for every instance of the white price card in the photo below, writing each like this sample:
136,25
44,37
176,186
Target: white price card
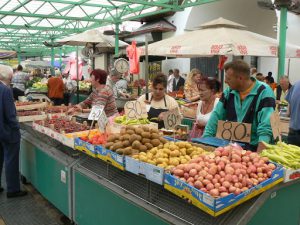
234,131
172,118
102,122
135,110
96,112
275,124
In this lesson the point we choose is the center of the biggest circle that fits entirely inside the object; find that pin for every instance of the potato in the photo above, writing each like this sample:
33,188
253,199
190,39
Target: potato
108,145
183,151
167,151
155,142
134,137
161,146
127,151
149,155
143,158
146,140
120,151
160,160
154,130
126,137
129,127
188,158
143,148
138,130
174,161
151,162
136,144
167,145
183,161
189,151
146,129
155,136
112,138
130,132
149,146
154,150
162,140
146,135
134,152
126,143
159,155
135,156
175,153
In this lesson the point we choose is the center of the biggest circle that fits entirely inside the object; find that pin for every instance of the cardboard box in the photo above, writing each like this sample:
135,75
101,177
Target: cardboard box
23,119
290,175
85,147
111,157
189,112
32,106
149,171
218,206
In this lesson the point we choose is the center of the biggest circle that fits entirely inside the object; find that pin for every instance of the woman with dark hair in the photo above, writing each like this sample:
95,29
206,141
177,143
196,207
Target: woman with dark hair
208,88
102,95
158,101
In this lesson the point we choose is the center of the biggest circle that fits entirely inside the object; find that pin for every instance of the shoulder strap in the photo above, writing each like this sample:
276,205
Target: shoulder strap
278,92
229,106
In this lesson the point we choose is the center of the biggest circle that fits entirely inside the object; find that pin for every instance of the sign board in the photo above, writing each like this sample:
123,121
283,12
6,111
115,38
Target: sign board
172,118
234,131
102,122
96,112
135,110
275,124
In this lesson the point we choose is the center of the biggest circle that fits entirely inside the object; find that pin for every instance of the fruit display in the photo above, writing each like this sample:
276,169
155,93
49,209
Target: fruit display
63,124
170,154
56,109
84,85
284,154
133,140
28,113
95,138
126,121
26,103
228,170
40,86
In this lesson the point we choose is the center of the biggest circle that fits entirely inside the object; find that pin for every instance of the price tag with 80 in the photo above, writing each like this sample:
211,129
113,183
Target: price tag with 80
102,122
172,118
235,131
135,110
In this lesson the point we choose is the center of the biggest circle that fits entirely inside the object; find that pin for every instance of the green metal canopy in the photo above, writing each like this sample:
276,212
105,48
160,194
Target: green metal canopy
26,24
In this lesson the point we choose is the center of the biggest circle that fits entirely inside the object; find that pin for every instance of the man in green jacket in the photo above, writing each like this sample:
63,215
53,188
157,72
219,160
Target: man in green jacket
246,100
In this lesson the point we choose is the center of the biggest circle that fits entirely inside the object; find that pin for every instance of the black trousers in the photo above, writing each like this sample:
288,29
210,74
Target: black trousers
57,101
294,137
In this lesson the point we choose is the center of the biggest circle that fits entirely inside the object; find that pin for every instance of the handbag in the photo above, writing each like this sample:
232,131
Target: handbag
196,132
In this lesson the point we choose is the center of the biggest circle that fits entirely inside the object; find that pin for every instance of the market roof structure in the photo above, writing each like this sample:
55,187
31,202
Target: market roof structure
26,24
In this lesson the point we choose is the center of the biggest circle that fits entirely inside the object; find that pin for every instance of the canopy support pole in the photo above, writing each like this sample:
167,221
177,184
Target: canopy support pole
146,67
93,56
60,57
282,42
117,39
19,55
52,58
77,75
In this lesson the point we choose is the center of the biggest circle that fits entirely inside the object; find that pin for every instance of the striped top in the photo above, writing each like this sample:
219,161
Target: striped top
102,96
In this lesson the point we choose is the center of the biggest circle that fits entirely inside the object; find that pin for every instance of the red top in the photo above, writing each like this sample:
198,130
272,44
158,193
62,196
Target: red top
55,87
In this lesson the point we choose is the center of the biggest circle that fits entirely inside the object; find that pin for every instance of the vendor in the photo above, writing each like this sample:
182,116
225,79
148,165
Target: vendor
118,85
158,101
56,88
101,95
281,90
246,100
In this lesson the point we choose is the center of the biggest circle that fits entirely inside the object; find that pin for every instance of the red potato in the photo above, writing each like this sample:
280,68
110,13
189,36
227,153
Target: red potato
222,189
206,182
229,170
214,181
237,191
178,172
198,184
217,176
232,189
222,180
222,174
214,192
183,179
210,186
190,180
198,167
186,176
217,185
226,184
203,189
209,177
203,173
193,172
213,170
224,194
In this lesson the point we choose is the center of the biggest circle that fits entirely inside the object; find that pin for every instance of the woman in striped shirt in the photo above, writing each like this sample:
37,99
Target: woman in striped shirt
101,95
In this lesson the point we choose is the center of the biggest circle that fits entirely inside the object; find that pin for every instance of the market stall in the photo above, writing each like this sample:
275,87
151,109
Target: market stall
70,166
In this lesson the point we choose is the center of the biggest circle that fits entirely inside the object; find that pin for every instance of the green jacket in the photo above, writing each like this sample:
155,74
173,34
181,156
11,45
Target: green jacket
261,129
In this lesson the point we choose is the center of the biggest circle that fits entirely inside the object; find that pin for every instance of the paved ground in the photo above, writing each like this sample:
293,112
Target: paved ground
32,209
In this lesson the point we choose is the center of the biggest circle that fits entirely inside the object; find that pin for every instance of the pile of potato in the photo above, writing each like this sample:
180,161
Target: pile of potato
134,140
170,154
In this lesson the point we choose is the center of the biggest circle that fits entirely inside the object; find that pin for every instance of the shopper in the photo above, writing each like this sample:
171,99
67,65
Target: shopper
18,81
191,90
177,81
245,100
102,95
260,77
118,85
208,88
282,90
270,81
170,80
158,101
293,98
56,88
9,136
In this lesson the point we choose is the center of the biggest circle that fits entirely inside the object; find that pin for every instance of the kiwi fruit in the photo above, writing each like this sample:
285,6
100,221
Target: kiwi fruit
154,130
126,143
129,127
120,151
108,145
146,135
154,136
126,137
146,129
145,140
135,152
117,145
130,132
127,151
143,148
162,140
138,130
138,137
112,138
155,142
136,144
149,146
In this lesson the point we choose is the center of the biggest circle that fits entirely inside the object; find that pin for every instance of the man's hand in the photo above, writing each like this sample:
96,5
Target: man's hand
260,147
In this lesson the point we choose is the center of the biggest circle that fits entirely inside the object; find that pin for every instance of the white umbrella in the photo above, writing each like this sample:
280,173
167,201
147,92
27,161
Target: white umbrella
91,37
6,53
220,37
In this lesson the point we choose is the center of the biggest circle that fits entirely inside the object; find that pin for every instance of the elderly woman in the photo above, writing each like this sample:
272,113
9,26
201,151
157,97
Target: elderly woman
158,101
118,85
191,90
102,95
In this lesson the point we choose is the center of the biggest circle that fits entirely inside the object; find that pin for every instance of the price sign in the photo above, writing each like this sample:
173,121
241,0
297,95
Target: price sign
275,124
96,112
135,110
172,118
102,122
235,131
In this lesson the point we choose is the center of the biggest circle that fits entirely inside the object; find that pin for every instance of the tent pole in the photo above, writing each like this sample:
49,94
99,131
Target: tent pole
146,67
19,54
93,56
282,42
60,57
77,75
117,39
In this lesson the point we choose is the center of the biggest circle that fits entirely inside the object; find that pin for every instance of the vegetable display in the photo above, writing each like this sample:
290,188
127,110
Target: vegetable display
228,170
284,154
95,139
28,113
170,154
125,121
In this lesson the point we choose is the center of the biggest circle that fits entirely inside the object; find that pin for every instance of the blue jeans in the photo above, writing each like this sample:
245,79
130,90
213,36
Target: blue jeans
9,155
